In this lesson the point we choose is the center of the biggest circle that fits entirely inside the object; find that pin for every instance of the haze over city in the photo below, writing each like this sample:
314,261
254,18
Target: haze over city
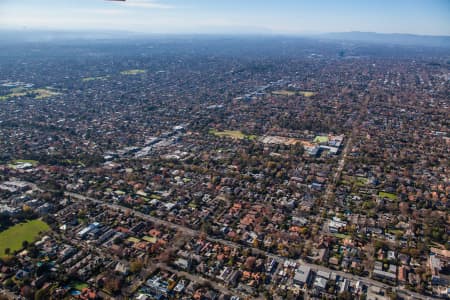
230,17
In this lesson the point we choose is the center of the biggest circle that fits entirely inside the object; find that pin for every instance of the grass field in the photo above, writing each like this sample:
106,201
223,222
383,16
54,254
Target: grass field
15,163
38,93
79,285
24,161
86,79
234,134
396,231
44,93
361,181
321,139
133,72
15,92
150,239
133,240
341,235
12,95
387,195
355,180
13,237
307,94
293,93
284,93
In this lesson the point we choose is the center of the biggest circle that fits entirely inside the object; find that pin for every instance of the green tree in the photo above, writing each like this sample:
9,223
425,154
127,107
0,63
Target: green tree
41,294
25,244
346,295
136,266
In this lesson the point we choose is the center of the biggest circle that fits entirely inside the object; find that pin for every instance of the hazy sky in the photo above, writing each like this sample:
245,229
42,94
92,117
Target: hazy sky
230,16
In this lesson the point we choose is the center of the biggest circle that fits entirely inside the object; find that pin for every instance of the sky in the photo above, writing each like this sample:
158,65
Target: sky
425,17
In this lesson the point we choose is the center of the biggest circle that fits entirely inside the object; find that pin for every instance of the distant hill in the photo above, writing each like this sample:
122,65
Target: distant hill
19,36
394,38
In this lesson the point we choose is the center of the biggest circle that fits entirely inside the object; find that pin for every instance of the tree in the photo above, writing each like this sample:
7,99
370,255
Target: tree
206,228
113,284
25,244
136,266
9,283
41,294
27,291
346,295
7,251
392,295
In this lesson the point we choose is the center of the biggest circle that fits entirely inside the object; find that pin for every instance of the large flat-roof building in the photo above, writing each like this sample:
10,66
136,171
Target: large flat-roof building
303,275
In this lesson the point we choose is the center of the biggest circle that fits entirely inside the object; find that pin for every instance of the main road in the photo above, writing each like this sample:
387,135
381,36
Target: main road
341,164
279,259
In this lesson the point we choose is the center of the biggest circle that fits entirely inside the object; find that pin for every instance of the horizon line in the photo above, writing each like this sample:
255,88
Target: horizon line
198,33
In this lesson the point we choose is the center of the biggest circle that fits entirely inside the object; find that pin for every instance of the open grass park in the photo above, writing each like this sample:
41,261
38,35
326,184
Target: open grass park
321,139
133,72
13,237
288,93
234,134
87,79
38,94
386,195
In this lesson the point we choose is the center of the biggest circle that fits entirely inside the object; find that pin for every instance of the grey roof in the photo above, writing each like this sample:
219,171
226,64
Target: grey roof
302,274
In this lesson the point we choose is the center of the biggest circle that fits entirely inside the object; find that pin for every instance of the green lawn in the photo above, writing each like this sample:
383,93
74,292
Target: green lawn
355,180
13,237
15,163
79,285
133,240
387,195
307,94
44,93
321,139
133,72
87,79
293,93
24,161
284,93
234,134
150,239
36,93
341,235
12,95
361,181
396,231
